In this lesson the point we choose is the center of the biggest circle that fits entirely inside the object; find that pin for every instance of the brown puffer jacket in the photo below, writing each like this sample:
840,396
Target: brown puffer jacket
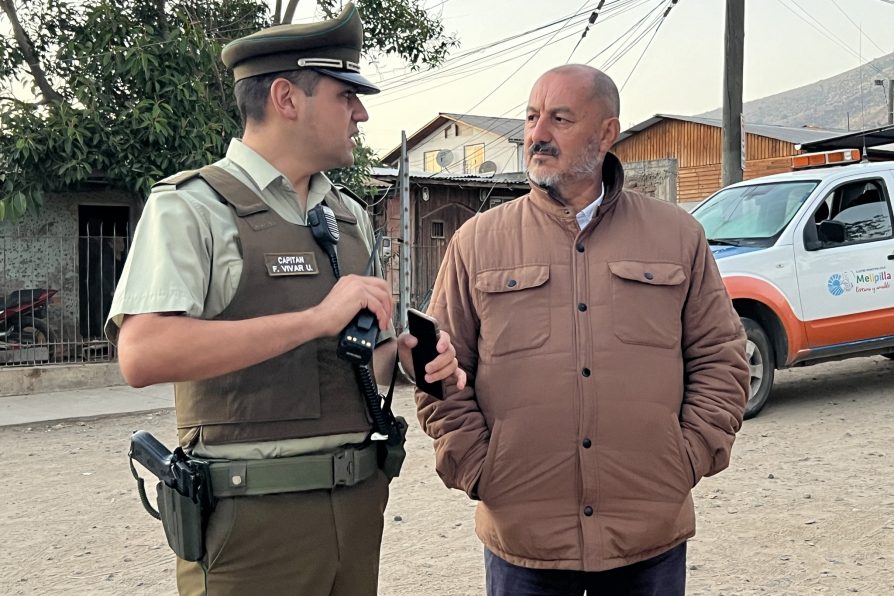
608,376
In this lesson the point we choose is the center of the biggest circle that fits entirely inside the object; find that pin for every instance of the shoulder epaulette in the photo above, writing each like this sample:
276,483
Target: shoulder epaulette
347,191
177,179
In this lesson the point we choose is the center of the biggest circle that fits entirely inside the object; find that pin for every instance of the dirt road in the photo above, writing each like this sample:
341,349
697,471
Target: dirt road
807,506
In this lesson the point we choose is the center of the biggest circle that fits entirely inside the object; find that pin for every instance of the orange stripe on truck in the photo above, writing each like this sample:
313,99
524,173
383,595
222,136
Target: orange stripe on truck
848,328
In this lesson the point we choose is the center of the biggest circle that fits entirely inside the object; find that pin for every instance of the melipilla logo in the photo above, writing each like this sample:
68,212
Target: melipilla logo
839,283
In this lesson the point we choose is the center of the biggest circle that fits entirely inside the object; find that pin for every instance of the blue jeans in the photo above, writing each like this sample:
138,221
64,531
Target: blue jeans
664,575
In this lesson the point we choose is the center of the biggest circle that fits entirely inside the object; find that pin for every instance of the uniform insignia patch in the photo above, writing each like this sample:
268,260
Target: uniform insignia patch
291,263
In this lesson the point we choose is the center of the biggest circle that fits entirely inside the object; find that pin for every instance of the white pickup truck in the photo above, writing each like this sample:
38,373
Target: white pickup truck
808,260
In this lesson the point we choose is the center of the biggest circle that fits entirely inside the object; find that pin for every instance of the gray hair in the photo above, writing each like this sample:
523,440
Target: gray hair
251,93
602,86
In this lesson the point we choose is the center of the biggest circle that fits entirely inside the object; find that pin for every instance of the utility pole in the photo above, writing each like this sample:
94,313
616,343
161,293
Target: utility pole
405,240
890,103
733,160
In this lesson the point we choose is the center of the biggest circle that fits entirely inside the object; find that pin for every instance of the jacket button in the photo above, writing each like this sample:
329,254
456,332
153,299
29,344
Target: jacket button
512,283
648,275
582,307
580,248
587,443
588,511
585,372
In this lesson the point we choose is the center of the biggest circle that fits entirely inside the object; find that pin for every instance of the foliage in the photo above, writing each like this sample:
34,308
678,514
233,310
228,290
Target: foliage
143,95
355,176
400,27
139,92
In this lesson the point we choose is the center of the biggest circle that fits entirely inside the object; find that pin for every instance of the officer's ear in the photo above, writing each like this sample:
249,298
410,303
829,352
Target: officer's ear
285,99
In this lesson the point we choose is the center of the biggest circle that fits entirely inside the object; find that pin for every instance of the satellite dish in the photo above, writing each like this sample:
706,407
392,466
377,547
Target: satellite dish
444,157
487,167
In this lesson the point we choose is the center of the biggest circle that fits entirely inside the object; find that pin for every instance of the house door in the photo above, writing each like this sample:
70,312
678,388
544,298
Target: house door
434,229
103,240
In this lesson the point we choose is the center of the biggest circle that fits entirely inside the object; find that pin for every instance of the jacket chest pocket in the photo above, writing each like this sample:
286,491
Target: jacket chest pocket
514,307
647,301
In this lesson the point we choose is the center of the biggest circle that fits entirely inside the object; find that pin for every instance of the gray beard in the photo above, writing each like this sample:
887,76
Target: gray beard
587,165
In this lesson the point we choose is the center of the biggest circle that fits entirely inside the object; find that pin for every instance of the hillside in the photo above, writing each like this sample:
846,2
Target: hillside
827,103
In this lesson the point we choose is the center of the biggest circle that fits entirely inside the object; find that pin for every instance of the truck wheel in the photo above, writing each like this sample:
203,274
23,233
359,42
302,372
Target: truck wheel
761,366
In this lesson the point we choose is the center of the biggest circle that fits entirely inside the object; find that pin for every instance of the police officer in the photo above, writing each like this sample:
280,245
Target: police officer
227,294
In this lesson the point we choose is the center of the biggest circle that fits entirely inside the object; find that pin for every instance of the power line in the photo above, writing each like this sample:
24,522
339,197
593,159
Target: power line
592,20
619,53
638,60
457,66
860,29
655,24
455,62
827,34
495,89
444,79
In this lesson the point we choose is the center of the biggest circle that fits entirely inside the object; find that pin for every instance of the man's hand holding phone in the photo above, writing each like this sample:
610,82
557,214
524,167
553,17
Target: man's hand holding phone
429,353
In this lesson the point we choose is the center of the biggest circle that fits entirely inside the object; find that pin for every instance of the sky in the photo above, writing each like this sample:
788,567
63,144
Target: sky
788,43
676,70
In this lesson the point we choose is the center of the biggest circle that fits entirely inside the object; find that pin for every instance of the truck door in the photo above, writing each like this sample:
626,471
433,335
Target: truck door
845,268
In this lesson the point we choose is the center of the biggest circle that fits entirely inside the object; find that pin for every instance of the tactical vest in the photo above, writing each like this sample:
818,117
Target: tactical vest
307,391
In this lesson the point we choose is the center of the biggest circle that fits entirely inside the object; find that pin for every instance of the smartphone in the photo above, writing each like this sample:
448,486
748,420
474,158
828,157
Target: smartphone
425,329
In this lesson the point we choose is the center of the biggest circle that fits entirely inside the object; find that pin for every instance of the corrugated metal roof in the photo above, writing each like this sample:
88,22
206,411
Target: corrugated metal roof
511,128
879,138
434,177
789,134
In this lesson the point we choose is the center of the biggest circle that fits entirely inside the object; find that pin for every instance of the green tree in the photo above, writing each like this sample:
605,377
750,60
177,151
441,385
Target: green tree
129,91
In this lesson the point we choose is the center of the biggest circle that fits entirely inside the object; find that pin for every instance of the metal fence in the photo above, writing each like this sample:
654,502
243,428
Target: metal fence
56,293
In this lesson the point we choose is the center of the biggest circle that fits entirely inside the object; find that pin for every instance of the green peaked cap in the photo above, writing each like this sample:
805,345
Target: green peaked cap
330,47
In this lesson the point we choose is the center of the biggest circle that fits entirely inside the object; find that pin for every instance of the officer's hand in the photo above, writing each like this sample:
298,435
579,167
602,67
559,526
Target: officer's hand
444,367
350,295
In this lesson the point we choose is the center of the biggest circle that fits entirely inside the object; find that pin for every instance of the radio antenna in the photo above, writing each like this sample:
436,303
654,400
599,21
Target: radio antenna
862,105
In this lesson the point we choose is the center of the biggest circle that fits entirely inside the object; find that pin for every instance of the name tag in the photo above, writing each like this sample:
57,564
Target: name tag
291,263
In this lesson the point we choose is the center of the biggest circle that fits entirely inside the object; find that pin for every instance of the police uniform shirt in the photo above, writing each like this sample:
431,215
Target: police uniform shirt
183,233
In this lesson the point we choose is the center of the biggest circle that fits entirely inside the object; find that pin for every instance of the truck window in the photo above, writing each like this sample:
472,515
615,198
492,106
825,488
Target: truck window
754,215
862,207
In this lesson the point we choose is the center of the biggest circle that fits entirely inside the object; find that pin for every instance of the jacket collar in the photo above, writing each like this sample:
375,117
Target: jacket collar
612,178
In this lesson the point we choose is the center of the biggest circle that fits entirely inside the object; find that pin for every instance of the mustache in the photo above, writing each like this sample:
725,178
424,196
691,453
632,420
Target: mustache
543,148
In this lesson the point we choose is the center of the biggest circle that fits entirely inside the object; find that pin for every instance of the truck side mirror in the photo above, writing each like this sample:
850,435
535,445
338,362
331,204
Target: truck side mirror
811,237
832,232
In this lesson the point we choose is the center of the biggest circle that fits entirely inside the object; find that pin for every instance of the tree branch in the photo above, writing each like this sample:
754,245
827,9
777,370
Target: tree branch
290,11
162,18
27,49
276,12
19,101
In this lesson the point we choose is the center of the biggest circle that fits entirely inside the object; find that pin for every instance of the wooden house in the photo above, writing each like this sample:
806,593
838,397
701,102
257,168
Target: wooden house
439,205
695,144
464,145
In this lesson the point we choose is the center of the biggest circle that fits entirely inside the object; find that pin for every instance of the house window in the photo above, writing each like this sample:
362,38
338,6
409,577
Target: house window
437,229
431,161
463,130
473,157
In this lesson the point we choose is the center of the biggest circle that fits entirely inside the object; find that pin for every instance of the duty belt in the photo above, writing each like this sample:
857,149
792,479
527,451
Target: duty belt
344,467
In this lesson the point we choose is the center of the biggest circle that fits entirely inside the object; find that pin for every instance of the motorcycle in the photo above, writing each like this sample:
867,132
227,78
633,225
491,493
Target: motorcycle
23,322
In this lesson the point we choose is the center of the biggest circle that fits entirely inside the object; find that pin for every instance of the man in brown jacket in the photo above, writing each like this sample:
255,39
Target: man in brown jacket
607,370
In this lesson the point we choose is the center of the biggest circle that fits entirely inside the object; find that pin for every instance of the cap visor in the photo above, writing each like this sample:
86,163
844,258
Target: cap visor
354,78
